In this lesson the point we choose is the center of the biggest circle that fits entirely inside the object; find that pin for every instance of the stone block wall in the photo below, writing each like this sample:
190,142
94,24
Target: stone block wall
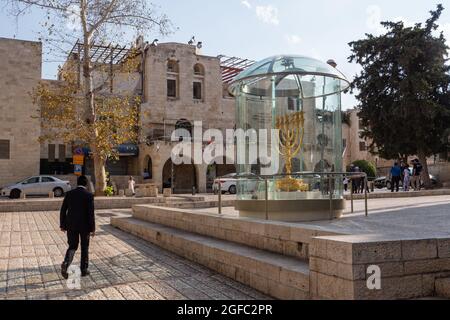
409,268
20,69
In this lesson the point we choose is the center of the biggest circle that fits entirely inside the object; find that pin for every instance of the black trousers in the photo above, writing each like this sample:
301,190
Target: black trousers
395,184
73,239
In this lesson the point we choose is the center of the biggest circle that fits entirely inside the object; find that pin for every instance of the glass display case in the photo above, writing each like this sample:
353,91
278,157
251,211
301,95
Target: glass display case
289,111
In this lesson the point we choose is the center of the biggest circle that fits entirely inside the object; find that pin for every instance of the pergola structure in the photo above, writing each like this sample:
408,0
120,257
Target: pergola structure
232,66
104,54
108,55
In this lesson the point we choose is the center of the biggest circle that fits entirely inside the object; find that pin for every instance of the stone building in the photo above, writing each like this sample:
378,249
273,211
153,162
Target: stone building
178,86
355,147
181,86
20,72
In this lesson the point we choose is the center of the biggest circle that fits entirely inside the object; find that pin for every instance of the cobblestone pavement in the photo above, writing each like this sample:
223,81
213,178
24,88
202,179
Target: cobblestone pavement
122,266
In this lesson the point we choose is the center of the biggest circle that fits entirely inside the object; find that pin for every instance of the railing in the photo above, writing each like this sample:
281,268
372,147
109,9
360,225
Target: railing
323,176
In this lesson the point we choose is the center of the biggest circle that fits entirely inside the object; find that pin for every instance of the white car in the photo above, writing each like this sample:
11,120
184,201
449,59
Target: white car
35,186
228,183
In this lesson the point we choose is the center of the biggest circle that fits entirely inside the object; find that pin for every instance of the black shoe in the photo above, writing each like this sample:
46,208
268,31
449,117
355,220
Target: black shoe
64,270
85,273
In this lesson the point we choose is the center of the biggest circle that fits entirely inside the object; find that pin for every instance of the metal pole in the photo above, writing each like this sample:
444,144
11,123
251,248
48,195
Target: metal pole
365,195
351,193
266,198
171,177
331,196
220,197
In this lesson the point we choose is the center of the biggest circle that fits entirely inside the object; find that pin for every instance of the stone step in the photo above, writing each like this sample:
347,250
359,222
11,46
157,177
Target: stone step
273,274
283,238
442,287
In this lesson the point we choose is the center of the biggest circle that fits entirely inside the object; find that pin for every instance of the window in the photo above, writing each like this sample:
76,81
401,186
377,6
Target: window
32,180
5,149
199,70
62,153
172,66
171,88
51,153
362,146
197,90
48,179
292,103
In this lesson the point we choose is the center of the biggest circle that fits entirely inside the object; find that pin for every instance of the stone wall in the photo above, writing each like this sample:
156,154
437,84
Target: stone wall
20,70
339,266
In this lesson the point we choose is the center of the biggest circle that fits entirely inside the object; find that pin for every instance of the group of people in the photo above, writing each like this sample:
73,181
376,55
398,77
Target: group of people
402,172
357,182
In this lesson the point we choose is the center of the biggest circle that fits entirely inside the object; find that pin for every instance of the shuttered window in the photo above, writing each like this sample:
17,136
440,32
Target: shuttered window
51,153
5,149
62,153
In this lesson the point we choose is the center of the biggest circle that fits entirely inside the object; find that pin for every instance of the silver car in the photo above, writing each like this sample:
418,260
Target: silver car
36,186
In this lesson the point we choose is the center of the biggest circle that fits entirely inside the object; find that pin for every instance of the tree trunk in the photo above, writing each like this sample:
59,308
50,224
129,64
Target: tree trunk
425,175
89,104
100,174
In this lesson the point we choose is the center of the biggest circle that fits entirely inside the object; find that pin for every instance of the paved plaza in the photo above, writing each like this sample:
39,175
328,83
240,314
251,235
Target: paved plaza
419,217
122,266
126,267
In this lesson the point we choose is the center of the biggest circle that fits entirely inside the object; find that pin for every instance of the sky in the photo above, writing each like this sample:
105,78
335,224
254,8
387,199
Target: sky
256,29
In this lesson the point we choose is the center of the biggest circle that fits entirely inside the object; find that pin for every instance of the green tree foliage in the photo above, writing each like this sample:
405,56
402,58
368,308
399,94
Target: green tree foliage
403,89
366,167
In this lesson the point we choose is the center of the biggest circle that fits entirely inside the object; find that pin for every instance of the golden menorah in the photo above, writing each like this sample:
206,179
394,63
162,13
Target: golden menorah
292,132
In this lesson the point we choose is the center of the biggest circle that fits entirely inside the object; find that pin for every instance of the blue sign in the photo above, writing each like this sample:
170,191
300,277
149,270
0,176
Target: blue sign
77,169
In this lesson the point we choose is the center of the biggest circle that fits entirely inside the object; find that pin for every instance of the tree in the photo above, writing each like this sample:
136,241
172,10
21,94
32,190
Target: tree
366,167
98,119
403,90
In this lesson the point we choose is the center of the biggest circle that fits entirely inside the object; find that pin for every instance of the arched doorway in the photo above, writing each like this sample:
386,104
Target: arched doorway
183,176
148,168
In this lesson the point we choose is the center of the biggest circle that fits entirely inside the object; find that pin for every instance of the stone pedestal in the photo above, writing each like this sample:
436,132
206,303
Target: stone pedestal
121,193
152,192
51,195
128,193
167,192
23,195
140,193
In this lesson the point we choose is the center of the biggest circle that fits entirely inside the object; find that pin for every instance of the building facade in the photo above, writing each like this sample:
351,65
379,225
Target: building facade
20,72
178,86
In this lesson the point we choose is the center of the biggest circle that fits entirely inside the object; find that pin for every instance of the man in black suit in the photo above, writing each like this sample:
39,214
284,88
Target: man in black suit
77,218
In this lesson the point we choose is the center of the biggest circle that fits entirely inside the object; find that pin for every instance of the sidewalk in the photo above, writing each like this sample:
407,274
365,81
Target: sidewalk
122,266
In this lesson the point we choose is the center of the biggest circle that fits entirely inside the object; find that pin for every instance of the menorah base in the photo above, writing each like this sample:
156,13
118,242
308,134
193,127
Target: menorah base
289,184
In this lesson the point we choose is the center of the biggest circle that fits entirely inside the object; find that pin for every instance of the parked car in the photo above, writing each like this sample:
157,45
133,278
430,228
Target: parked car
229,183
385,182
35,186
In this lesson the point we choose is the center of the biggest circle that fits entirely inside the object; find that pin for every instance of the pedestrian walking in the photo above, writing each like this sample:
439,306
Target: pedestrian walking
131,184
346,181
406,178
417,172
396,174
357,181
77,219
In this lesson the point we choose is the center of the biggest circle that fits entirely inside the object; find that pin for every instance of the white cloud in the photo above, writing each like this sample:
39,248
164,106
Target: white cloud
374,18
73,20
268,14
293,39
246,4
